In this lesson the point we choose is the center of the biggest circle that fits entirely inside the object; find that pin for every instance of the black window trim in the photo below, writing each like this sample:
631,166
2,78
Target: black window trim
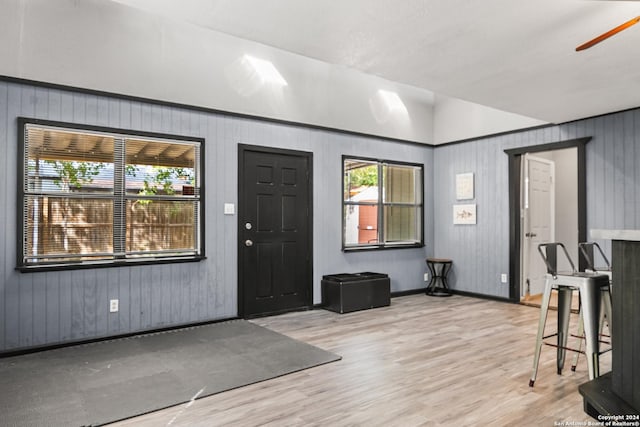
22,123
381,204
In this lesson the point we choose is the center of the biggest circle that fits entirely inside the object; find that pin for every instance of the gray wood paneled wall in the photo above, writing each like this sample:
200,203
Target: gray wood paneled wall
56,307
481,252
39,309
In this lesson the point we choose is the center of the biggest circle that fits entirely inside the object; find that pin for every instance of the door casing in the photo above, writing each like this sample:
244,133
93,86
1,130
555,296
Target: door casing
515,195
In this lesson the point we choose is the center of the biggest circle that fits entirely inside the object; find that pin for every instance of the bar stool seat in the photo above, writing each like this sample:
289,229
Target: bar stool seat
439,268
592,287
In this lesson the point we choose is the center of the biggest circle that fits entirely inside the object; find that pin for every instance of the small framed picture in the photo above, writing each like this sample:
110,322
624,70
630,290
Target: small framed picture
464,186
464,214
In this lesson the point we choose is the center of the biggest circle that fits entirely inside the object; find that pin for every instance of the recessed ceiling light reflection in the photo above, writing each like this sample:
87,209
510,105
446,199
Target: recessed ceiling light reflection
266,70
393,101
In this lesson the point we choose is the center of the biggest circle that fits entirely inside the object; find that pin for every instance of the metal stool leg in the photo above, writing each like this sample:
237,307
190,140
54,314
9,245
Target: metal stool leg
580,338
606,306
443,275
432,282
605,313
590,308
564,313
603,316
544,310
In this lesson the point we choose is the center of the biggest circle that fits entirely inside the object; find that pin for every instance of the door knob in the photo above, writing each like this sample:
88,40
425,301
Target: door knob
248,243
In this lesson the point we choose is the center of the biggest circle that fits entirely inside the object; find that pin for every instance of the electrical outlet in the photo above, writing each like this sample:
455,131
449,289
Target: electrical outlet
113,306
426,277
504,278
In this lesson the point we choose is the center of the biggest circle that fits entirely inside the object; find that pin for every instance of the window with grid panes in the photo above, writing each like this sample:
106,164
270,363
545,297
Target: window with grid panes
382,204
100,196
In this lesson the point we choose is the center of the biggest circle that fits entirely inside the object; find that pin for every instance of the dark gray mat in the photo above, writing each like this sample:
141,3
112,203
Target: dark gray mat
103,382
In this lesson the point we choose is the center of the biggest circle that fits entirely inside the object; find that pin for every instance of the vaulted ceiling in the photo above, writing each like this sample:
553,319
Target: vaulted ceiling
516,56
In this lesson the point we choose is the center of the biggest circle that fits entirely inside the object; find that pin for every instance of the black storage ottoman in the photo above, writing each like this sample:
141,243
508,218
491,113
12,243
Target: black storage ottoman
347,292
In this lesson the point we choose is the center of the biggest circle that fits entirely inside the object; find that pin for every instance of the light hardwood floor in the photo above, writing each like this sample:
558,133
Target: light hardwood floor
423,361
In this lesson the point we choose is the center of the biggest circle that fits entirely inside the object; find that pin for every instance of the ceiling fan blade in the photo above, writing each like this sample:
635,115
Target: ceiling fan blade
608,34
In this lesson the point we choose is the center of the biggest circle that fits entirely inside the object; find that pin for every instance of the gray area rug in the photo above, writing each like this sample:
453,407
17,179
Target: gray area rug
99,383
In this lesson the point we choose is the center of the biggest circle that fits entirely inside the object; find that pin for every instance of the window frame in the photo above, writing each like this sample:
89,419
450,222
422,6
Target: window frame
381,204
22,194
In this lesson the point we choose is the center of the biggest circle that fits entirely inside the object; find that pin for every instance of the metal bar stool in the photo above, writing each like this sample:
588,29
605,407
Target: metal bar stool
587,251
439,268
590,287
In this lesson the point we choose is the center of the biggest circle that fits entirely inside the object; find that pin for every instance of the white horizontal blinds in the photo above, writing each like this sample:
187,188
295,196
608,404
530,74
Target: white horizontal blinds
67,229
401,184
162,197
402,195
119,217
402,224
160,227
98,196
69,162
67,213
160,168
197,182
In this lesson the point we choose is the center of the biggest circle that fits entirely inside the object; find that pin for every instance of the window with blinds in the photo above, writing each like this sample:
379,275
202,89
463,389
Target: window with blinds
95,195
382,204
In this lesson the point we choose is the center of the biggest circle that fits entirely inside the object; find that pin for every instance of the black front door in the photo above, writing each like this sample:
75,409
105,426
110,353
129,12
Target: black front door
274,230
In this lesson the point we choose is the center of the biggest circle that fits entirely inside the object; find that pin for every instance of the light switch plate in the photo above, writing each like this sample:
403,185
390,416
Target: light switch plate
229,209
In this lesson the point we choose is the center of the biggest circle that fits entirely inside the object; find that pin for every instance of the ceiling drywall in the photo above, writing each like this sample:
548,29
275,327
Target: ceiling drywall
516,56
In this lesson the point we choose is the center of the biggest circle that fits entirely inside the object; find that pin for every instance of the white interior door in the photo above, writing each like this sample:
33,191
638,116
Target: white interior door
538,212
